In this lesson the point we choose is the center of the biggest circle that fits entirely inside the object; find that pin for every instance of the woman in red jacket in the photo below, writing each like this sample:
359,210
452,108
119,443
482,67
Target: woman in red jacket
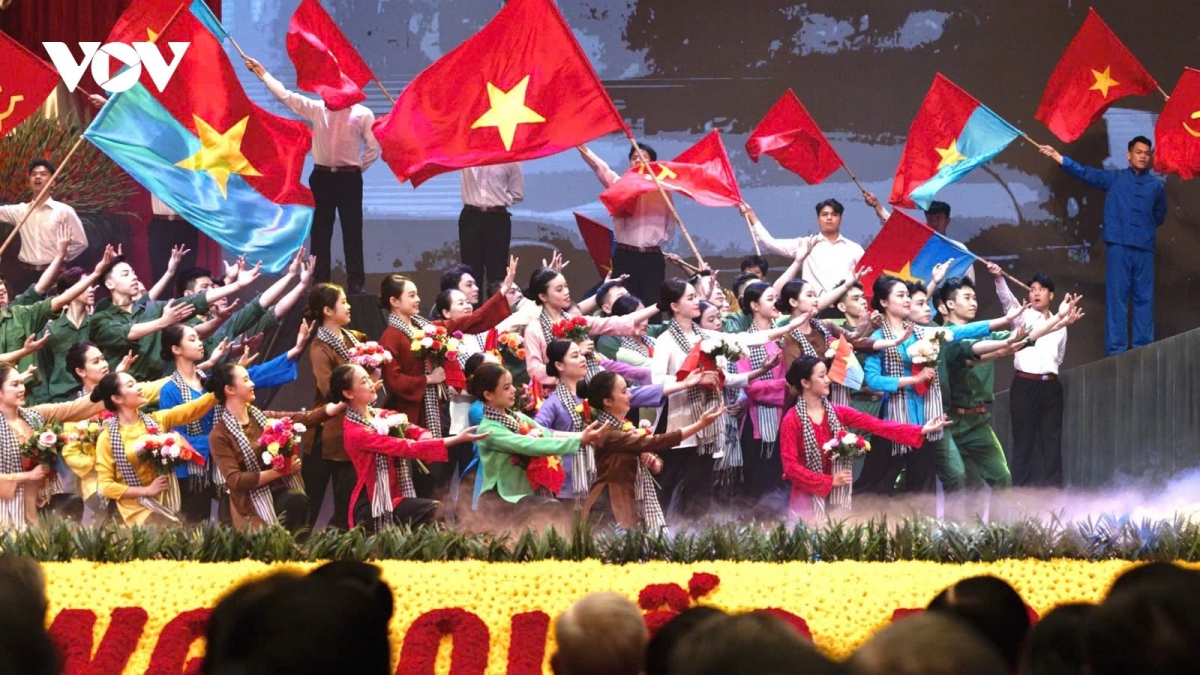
412,383
812,422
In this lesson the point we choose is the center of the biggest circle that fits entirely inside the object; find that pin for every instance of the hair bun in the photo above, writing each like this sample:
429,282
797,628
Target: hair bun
95,396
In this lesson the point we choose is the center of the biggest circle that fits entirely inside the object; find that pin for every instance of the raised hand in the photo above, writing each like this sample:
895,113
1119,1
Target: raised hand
870,199
1051,153
1015,313
105,260
297,260
510,275
34,343
177,253
246,277
126,362
232,270
63,233
711,415
177,312
993,268
939,272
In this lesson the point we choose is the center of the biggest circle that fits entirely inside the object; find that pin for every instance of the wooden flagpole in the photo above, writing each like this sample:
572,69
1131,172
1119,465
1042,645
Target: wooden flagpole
40,195
385,91
662,191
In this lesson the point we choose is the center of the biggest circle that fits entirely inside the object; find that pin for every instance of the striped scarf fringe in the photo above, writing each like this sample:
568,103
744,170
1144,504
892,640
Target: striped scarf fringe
430,402
897,402
814,460
168,502
583,466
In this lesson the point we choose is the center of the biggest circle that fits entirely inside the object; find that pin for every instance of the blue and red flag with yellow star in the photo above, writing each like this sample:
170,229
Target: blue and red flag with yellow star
201,146
908,249
952,134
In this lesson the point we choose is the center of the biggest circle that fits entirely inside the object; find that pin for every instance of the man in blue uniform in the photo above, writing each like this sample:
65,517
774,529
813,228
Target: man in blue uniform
1134,208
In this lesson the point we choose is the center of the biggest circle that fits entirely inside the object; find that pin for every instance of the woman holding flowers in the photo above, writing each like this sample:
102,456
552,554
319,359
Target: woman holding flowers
256,452
424,353
517,452
382,445
146,490
182,346
814,428
25,467
623,485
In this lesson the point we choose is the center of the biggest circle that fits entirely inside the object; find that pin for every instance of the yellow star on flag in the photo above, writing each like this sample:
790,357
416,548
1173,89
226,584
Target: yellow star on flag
507,111
153,36
1104,81
950,155
905,273
220,153
553,462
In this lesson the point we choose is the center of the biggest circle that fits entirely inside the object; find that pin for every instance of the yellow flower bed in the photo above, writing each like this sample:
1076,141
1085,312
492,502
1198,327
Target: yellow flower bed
843,603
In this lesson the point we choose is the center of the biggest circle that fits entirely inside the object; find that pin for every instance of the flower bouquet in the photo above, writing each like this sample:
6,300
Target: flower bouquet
280,443
396,425
511,344
166,452
439,349
369,355
721,346
704,357
926,352
44,447
842,450
88,431
574,328
529,398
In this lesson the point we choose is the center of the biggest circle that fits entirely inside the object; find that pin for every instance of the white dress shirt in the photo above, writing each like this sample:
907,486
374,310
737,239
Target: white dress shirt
39,234
159,208
340,137
827,264
1043,357
494,185
651,223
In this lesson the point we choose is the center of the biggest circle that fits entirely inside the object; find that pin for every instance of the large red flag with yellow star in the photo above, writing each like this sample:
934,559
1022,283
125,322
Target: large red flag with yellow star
1177,134
1095,71
518,89
25,82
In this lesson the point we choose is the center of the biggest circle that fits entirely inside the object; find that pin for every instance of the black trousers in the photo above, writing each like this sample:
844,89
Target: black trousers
646,273
1037,410
687,484
413,512
763,495
436,484
291,508
881,469
195,502
165,234
66,505
317,472
483,239
340,192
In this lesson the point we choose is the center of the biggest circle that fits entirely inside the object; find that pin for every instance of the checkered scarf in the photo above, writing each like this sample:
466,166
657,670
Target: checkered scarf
813,459
768,416
464,355
643,486
12,511
583,466
728,467
897,402
839,393
337,341
264,503
504,417
381,500
197,474
430,401
643,344
593,366
168,502
700,398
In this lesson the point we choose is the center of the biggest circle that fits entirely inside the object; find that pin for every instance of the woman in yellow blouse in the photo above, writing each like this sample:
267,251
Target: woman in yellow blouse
19,489
141,494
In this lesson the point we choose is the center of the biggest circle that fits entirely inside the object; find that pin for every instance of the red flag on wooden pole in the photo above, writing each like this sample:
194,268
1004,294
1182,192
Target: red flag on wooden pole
326,63
789,134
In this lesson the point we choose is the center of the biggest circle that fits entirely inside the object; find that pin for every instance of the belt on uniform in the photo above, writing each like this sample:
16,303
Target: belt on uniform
639,249
969,411
171,217
486,209
1044,377
32,268
337,169
862,396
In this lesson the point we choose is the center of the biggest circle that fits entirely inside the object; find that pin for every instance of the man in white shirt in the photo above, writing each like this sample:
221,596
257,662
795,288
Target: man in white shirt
343,148
641,236
833,258
485,225
1036,396
937,216
39,234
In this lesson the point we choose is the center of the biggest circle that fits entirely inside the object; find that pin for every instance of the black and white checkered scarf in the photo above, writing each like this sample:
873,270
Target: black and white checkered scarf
430,405
337,341
593,366
583,466
768,416
381,500
897,402
12,511
264,503
643,486
168,502
837,392
814,459
699,398
198,475
728,467
505,417
641,344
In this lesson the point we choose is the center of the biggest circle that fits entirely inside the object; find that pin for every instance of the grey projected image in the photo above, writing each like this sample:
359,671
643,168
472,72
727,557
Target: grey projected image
677,70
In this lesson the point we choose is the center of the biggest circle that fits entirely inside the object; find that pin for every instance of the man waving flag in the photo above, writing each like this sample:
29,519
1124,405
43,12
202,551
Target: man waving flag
518,89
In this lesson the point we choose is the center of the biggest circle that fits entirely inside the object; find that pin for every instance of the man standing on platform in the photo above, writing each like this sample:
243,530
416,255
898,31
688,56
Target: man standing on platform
641,236
1134,208
485,225
343,148
834,257
39,234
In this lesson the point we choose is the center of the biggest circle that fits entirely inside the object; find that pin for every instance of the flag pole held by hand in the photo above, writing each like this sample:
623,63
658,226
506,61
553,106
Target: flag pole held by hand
662,191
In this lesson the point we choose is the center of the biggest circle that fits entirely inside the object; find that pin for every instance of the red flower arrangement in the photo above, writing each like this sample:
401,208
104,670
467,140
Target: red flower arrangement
471,640
166,451
279,443
574,328
541,472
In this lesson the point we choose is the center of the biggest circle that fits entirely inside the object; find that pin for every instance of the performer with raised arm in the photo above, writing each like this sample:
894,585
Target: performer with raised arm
833,257
40,234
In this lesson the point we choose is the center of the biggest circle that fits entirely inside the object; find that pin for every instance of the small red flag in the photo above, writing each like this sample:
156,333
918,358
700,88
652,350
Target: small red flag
702,172
326,63
599,242
25,82
518,89
1095,71
1177,134
143,20
790,135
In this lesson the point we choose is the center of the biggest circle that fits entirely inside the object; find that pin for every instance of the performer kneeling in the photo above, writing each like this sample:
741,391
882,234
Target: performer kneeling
373,451
259,493
514,442
813,422
624,464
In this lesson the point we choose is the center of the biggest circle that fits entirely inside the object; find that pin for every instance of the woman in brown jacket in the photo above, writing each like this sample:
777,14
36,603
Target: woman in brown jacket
324,455
257,496
623,463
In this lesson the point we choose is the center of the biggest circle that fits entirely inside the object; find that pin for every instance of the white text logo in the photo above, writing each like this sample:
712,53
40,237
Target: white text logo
134,56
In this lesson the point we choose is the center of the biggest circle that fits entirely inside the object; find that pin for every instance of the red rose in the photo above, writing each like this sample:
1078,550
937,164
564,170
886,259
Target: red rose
861,443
